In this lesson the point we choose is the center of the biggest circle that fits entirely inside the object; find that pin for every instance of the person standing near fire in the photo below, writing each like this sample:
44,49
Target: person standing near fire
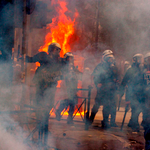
71,76
146,109
45,79
133,78
105,77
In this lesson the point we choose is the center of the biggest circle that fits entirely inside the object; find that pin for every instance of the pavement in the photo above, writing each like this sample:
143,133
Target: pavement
74,137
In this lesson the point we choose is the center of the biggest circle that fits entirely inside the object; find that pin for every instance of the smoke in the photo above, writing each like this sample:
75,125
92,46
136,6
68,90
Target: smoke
123,25
128,24
12,136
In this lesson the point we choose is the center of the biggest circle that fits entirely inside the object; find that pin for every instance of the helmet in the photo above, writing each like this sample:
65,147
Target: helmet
147,59
147,55
68,54
52,46
106,53
137,58
126,63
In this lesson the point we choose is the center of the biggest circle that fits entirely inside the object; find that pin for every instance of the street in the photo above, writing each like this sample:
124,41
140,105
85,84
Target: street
74,137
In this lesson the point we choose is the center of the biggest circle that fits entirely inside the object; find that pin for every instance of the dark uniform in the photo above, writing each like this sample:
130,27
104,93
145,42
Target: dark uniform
134,80
146,113
106,82
45,79
71,76
46,76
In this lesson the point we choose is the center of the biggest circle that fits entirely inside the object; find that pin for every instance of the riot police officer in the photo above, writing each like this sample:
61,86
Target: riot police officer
71,76
105,77
133,79
45,79
146,112
126,66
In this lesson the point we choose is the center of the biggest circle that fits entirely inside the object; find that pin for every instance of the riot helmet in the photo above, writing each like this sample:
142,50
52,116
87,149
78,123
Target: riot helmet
147,59
54,49
126,63
137,59
69,60
107,52
105,55
69,56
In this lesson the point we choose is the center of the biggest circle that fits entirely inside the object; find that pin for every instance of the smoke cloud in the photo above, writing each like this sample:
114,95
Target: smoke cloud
123,26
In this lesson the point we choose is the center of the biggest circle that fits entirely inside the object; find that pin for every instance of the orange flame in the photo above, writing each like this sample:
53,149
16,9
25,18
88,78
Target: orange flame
61,29
65,113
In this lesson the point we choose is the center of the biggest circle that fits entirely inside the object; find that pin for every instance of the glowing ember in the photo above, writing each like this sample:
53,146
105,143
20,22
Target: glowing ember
61,29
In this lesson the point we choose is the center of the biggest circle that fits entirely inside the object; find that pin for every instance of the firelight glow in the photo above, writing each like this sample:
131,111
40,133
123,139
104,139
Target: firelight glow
61,29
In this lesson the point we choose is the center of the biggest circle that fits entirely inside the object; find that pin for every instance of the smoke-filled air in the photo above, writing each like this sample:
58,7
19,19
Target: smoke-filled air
74,74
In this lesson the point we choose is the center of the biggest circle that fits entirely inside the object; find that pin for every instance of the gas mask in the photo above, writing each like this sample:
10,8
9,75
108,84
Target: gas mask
138,60
110,61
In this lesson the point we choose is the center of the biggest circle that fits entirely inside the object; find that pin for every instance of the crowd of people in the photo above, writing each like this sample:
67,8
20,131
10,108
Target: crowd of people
108,82
135,84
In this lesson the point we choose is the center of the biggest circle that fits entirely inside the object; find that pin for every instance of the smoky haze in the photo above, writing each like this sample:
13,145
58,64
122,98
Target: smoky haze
123,27
128,23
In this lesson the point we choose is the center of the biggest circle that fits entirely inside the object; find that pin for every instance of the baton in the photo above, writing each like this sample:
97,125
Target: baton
126,110
119,102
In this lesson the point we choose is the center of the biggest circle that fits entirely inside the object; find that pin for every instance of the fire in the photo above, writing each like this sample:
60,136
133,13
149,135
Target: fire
65,113
61,29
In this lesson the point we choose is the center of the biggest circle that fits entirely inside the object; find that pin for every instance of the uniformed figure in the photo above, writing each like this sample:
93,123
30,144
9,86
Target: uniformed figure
146,113
105,77
45,79
133,78
126,66
71,76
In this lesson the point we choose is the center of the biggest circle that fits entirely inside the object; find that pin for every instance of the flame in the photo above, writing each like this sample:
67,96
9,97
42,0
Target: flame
61,29
65,113
59,83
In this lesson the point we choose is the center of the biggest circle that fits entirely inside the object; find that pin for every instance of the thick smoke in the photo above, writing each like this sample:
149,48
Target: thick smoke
128,23
123,26
12,135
